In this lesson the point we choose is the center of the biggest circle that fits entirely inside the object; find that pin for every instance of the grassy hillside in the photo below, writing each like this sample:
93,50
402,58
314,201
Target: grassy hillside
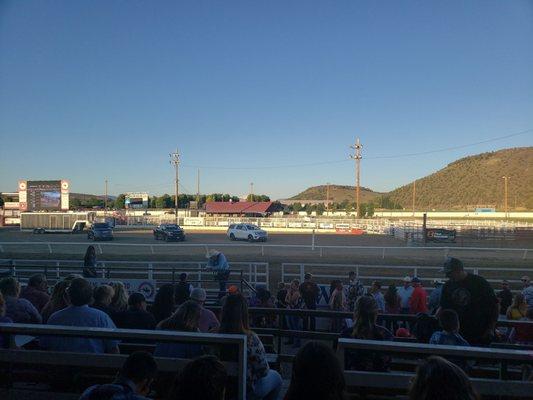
337,193
475,180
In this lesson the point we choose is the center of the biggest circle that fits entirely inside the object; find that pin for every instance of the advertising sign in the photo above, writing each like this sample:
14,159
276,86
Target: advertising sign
145,286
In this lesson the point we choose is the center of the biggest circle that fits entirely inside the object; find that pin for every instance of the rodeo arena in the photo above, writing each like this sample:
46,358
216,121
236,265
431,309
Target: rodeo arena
241,301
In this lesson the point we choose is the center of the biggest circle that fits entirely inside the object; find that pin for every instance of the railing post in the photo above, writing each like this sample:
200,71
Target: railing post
49,248
103,270
446,252
525,255
58,273
242,368
313,241
173,274
383,253
150,270
199,274
100,249
302,272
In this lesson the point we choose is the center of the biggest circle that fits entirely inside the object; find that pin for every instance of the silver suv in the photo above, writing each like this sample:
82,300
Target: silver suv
249,232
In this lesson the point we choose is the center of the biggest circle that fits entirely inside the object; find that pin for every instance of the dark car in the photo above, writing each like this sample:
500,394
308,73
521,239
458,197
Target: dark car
100,231
169,232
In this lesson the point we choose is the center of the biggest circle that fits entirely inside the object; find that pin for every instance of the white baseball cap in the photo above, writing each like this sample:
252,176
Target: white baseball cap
212,253
407,279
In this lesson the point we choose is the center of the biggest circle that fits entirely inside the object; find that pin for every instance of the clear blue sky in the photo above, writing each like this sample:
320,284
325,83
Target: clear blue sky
106,89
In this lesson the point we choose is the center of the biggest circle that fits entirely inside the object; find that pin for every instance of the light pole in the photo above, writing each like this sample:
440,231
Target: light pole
175,160
357,158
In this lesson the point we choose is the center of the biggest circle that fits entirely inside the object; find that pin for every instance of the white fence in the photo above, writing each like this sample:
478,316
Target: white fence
325,273
265,249
163,272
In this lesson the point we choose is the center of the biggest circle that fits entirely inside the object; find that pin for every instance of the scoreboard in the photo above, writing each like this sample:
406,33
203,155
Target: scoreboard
44,195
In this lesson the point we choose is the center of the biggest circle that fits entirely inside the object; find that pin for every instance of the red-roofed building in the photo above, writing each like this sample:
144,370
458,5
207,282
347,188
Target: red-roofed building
242,208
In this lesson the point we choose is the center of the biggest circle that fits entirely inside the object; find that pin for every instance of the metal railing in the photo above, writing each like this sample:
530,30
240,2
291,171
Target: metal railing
13,356
499,387
290,271
242,273
388,320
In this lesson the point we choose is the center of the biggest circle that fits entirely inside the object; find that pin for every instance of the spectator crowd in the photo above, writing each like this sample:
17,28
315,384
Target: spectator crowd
463,311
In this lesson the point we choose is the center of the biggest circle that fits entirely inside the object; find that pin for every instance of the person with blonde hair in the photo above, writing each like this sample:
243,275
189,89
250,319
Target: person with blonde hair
517,310
119,302
365,316
263,382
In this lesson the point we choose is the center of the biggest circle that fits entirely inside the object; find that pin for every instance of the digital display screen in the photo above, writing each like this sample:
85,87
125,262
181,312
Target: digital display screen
44,195
136,200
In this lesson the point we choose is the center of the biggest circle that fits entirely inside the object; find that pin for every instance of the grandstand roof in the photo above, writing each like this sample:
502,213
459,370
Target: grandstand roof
241,207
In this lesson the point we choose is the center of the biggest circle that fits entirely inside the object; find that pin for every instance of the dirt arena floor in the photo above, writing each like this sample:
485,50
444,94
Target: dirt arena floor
280,248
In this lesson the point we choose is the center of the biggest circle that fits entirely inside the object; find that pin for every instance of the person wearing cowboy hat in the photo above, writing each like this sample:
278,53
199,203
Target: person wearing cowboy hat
217,262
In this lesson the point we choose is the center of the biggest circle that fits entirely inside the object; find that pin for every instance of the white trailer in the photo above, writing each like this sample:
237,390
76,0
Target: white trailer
60,222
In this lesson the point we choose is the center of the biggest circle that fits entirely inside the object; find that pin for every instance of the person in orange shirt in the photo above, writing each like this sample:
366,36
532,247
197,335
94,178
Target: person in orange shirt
418,301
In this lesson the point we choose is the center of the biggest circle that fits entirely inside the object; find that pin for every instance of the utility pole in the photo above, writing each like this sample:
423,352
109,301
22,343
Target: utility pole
198,187
506,195
251,191
357,157
327,199
414,197
105,199
175,161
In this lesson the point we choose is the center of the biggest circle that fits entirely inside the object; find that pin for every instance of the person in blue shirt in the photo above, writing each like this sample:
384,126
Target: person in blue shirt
132,383
217,262
449,322
185,319
449,336
78,313
434,296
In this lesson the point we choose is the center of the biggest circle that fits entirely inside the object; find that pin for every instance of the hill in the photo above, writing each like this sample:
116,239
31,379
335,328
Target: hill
475,180
85,196
337,194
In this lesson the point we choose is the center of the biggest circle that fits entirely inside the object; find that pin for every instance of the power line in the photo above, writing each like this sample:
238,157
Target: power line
331,162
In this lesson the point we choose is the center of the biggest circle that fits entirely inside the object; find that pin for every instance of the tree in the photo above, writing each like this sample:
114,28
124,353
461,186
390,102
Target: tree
320,208
163,201
235,199
257,197
120,201
370,210
297,207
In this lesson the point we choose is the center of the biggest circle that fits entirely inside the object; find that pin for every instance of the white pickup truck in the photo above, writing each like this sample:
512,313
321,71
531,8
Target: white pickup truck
249,232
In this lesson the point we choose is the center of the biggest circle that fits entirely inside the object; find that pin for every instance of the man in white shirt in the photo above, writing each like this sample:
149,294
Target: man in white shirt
405,292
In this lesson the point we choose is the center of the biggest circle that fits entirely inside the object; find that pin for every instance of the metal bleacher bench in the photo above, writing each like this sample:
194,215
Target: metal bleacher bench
399,381
42,360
